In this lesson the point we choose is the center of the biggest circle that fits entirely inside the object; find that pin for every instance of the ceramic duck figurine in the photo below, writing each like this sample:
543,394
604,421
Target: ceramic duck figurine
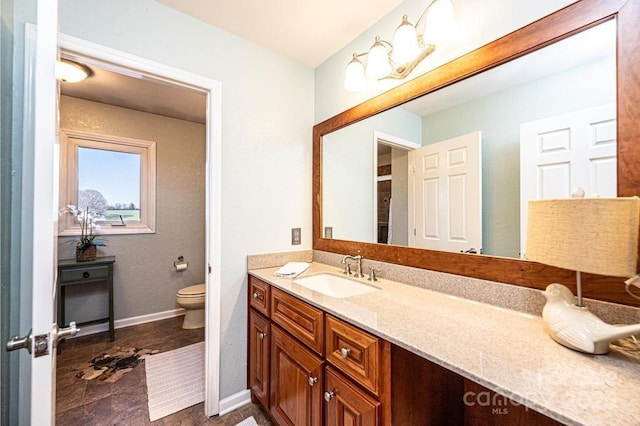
577,328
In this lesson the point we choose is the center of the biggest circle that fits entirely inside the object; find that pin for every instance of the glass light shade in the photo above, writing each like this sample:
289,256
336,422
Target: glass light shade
70,72
440,22
405,43
378,61
354,79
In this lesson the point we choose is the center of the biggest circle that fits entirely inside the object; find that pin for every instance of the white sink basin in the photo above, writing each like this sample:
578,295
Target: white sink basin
334,285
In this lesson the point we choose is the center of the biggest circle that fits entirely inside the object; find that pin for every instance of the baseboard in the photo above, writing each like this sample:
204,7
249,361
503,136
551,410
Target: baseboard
234,401
128,322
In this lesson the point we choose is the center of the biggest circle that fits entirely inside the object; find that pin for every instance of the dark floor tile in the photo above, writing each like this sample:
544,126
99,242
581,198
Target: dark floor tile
124,402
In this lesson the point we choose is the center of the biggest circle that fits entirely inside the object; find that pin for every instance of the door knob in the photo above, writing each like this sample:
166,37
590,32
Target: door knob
16,343
262,335
312,380
328,396
70,331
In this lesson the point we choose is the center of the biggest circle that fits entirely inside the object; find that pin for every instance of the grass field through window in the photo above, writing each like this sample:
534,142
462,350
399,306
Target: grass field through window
126,215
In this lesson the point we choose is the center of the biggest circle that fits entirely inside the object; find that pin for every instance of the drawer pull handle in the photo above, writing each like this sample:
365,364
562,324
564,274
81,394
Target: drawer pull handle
256,295
312,380
345,352
262,335
85,274
328,396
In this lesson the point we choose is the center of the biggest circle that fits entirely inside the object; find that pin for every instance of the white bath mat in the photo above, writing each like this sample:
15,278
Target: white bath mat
248,422
175,380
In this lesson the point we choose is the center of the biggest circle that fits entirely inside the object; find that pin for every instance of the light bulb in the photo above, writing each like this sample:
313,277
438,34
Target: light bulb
71,72
378,61
405,43
440,22
354,79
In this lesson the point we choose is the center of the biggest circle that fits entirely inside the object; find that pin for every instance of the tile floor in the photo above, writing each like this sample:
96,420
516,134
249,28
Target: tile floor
91,402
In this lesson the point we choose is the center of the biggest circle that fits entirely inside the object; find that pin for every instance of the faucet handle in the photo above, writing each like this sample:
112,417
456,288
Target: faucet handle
372,273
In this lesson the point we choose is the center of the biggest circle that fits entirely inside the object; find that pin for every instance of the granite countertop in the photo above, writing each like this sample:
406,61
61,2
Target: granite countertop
503,350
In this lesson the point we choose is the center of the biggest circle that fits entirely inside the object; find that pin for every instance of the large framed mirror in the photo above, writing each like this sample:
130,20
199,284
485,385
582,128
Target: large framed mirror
610,73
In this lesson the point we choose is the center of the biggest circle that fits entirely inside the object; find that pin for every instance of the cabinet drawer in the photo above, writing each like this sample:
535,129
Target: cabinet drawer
355,352
84,274
259,295
303,321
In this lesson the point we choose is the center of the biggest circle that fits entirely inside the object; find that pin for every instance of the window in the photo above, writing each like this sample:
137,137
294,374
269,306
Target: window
113,178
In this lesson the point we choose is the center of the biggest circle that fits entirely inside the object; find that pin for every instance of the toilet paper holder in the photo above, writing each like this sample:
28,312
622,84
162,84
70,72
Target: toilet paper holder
180,264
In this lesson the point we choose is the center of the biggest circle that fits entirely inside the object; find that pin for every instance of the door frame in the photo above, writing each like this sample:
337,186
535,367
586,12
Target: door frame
85,49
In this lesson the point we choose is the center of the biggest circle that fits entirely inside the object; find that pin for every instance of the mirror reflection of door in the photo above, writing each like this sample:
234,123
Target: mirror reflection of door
390,188
562,153
445,207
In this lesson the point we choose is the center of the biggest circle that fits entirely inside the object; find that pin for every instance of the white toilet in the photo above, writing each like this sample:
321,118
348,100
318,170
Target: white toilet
192,300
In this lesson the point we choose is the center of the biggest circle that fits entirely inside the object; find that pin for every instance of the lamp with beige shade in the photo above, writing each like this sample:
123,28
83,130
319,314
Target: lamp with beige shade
592,235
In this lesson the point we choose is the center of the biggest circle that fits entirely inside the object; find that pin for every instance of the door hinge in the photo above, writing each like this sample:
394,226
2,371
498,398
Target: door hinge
414,232
209,268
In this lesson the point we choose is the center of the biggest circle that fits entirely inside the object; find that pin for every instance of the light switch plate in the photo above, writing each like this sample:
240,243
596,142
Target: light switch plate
296,236
328,231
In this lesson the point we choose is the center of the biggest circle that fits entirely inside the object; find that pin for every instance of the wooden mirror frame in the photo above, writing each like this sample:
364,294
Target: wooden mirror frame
561,24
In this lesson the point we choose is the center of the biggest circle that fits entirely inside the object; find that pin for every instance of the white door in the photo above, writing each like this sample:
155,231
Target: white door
559,154
45,207
445,195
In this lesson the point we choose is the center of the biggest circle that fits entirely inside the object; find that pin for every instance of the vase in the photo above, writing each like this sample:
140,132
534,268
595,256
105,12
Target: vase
86,254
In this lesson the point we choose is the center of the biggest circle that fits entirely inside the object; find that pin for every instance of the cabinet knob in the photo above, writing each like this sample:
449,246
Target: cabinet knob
262,335
312,380
328,396
256,295
85,274
345,352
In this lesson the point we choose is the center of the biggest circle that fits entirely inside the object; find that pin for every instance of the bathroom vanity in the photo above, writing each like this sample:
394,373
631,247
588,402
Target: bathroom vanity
405,355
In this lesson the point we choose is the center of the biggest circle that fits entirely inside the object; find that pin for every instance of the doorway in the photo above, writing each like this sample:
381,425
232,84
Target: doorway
120,62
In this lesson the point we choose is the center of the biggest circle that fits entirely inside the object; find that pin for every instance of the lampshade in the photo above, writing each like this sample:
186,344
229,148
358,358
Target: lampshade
354,79
405,43
593,235
378,61
440,22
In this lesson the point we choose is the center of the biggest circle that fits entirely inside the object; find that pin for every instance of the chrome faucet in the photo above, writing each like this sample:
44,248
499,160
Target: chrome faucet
358,258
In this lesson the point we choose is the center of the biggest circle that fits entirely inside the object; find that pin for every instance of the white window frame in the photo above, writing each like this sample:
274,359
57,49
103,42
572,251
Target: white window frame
70,141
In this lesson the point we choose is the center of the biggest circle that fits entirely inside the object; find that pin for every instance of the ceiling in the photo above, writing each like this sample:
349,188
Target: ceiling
306,31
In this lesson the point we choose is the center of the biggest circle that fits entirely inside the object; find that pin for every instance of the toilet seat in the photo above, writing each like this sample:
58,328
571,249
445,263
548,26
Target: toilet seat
193,291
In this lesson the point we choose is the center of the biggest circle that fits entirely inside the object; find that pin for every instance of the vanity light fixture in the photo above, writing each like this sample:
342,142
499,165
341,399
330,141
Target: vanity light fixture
411,45
71,72
591,235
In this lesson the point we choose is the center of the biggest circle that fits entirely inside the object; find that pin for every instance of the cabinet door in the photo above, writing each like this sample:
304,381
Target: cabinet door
258,375
296,382
346,404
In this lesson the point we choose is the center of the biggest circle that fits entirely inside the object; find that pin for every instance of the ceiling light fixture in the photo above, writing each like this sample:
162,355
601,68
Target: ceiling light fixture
71,72
411,45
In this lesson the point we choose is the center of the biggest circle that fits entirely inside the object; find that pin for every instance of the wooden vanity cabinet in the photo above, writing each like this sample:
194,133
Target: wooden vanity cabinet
311,368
